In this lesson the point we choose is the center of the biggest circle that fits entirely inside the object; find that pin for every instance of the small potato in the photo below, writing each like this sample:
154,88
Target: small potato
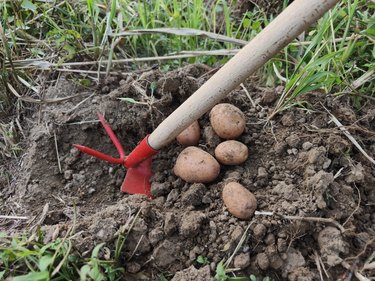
190,136
196,166
240,202
227,121
231,152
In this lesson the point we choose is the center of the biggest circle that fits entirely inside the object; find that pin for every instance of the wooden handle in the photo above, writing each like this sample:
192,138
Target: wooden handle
281,31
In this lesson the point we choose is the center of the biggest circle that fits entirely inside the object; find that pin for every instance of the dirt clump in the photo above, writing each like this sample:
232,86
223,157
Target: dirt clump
331,245
193,274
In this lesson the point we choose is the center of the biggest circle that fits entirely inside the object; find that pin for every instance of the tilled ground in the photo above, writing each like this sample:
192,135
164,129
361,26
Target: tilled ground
300,165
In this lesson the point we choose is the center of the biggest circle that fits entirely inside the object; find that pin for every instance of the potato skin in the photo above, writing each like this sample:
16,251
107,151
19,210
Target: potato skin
227,121
194,165
231,152
190,136
240,202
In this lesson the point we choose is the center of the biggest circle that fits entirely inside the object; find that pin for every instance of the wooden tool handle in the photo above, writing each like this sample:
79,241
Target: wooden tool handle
282,30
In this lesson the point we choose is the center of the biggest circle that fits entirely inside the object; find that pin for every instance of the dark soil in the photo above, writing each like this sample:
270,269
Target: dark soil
300,164
269,7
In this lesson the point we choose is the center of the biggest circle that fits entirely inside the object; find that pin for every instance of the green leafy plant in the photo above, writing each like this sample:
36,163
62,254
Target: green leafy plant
202,260
221,274
28,258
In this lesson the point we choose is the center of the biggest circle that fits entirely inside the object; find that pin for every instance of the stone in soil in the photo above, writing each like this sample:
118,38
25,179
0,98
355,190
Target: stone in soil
133,267
268,98
288,119
356,174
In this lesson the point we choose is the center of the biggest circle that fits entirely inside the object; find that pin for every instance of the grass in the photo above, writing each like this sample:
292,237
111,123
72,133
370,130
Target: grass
335,56
26,257
341,50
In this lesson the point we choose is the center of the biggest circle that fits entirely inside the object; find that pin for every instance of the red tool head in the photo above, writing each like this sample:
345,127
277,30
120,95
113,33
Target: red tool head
137,179
138,162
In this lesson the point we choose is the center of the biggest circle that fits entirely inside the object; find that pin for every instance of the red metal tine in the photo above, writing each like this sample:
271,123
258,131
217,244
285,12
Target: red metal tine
112,136
98,154
114,140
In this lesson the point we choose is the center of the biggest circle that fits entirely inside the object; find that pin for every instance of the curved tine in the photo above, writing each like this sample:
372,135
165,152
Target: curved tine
98,154
112,136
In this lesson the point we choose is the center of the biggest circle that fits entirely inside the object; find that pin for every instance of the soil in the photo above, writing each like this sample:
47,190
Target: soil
300,164
269,7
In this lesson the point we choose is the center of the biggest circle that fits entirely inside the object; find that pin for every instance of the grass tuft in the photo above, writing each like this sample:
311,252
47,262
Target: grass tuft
28,257
340,51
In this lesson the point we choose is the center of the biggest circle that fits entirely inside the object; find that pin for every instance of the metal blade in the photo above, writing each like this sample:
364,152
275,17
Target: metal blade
137,179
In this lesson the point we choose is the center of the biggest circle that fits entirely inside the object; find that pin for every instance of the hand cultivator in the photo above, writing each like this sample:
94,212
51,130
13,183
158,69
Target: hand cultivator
138,162
282,30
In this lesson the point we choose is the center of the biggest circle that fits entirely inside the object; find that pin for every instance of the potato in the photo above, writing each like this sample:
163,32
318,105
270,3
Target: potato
240,202
190,136
196,166
231,152
227,120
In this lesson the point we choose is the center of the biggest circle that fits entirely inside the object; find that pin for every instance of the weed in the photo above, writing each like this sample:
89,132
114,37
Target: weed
29,258
221,274
202,260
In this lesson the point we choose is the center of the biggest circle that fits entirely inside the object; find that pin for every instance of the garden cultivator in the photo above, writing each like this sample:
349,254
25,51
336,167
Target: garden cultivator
138,163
